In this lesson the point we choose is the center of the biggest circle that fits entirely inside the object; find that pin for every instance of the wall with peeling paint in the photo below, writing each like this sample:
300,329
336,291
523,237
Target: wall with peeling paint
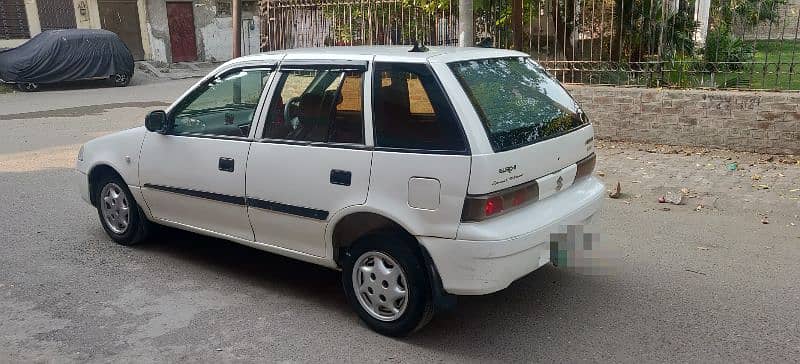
158,31
214,33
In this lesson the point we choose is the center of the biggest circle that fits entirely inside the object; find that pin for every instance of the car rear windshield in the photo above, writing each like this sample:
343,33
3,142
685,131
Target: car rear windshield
518,102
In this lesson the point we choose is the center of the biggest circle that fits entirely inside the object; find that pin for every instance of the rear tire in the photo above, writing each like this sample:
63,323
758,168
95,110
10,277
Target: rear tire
386,283
28,86
121,217
120,79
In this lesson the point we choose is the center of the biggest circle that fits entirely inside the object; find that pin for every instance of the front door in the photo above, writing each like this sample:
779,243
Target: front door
122,18
180,19
312,160
194,174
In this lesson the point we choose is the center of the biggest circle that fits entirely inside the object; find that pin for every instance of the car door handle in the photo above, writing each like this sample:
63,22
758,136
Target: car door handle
340,177
226,164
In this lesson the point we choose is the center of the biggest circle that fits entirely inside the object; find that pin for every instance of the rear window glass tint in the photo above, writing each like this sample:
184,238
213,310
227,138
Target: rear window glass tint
411,110
519,103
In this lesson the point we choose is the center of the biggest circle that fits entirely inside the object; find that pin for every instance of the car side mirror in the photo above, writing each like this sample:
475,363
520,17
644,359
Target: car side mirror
156,121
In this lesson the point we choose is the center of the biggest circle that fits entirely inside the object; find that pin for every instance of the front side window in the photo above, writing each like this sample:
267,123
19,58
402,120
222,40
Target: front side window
224,106
411,111
317,105
518,101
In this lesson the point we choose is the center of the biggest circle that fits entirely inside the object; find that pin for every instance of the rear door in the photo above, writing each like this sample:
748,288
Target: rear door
421,163
311,159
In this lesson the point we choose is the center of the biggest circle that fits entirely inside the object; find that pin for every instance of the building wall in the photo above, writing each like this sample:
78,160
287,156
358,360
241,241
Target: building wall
767,122
214,32
32,12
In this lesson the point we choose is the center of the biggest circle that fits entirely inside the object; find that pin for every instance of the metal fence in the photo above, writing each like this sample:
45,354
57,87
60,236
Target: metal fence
741,44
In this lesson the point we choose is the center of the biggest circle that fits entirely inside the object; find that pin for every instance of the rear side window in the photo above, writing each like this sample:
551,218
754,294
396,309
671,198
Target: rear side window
519,103
317,105
411,111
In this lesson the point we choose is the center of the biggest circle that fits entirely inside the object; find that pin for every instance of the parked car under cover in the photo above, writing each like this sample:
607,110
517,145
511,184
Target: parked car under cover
67,55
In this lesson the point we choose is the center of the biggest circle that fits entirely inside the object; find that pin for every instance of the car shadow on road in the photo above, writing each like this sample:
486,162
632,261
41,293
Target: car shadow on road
549,298
304,281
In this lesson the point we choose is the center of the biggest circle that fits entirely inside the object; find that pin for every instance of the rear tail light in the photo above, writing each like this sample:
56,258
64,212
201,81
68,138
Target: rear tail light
482,207
477,208
493,206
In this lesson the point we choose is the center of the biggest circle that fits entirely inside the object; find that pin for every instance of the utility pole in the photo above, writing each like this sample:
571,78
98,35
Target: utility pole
236,10
466,36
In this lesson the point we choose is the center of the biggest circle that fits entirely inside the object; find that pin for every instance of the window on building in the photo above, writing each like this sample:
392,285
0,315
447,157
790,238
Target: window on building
13,20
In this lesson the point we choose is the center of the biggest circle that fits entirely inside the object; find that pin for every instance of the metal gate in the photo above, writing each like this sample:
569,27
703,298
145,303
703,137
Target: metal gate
56,14
13,20
122,17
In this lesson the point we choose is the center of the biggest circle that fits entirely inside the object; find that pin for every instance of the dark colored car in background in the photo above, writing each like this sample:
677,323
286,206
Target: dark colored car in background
67,55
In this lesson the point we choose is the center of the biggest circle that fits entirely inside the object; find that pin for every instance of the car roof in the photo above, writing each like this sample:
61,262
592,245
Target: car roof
384,53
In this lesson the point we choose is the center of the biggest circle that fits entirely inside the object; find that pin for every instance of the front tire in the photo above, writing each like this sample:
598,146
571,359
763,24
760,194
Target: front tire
120,79
386,283
121,217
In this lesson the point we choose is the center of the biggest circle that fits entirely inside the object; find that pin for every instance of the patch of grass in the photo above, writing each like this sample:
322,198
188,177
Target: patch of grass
771,67
5,88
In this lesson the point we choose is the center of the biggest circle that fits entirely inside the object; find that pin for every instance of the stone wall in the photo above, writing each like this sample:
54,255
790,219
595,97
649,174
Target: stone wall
766,122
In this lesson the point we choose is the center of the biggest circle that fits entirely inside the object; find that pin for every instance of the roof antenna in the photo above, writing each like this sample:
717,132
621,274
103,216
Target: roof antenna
418,47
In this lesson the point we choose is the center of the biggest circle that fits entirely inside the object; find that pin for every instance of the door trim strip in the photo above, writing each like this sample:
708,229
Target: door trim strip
307,212
288,209
236,200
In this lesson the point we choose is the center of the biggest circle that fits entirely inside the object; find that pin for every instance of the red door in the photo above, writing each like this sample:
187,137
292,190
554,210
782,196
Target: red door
181,31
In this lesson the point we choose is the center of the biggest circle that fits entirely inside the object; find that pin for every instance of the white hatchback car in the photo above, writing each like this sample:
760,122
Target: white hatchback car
421,175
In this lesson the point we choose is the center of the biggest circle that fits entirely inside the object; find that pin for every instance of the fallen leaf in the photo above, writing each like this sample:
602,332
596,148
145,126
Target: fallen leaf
770,158
616,192
685,191
698,208
601,174
702,248
756,177
665,209
764,220
636,181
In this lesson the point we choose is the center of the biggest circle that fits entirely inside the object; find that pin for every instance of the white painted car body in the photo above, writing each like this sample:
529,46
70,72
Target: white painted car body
424,193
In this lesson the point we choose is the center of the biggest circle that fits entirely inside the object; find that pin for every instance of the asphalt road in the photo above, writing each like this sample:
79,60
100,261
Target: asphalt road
711,287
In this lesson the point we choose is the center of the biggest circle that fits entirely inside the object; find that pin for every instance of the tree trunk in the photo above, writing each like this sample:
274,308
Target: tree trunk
517,28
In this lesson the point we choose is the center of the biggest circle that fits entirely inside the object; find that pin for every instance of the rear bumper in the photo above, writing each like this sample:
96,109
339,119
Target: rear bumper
475,267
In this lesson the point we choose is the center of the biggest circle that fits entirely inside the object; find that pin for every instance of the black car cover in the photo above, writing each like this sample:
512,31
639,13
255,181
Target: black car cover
66,55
